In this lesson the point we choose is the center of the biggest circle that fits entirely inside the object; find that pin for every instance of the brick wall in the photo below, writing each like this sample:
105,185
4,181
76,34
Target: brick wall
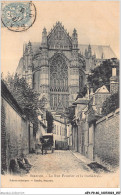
107,139
114,87
114,84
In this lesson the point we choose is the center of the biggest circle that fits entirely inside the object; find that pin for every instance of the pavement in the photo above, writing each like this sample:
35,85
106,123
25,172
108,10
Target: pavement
81,157
64,169
61,161
96,167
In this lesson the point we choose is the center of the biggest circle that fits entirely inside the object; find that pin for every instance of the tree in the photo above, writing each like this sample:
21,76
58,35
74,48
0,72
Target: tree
101,74
110,104
26,97
70,112
82,92
49,119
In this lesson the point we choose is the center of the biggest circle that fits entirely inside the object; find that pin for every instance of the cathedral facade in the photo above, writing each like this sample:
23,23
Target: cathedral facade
58,66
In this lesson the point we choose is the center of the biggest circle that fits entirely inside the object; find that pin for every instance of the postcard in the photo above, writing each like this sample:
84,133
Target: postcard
60,94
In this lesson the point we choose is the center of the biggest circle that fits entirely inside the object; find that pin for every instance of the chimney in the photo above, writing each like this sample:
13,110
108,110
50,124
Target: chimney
114,72
114,81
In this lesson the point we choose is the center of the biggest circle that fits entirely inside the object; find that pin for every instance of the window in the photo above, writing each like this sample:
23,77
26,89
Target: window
58,79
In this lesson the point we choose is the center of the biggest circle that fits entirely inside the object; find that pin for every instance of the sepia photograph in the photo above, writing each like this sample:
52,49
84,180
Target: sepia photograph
60,94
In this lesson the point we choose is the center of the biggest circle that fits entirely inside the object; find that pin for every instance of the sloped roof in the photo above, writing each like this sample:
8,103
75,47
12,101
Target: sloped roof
81,101
98,50
102,89
6,94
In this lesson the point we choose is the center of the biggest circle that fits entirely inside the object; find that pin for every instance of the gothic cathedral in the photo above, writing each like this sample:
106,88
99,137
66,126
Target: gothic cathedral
57,67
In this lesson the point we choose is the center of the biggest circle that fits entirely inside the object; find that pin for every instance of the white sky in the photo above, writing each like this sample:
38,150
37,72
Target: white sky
97,22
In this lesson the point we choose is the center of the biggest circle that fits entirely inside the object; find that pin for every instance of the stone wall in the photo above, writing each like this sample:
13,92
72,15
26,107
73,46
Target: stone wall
16,131
106,143
14,134
3,138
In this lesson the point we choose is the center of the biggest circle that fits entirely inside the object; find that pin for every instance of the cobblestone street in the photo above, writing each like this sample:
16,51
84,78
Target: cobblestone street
59,169
58,162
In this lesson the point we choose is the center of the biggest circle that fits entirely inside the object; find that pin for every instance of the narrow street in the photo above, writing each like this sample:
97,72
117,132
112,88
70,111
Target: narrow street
60,161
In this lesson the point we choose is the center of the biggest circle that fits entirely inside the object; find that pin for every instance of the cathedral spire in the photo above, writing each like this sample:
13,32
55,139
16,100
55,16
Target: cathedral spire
89,50
30,55
89,47
74,39
30,48
44,38
74,33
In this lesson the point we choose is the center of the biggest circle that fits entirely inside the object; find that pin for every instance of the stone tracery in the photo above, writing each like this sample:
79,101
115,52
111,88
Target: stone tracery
58,81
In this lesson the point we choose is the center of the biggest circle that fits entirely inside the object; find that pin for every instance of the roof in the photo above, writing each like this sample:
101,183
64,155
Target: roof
102,89
98,50
81,101
59,27
5,93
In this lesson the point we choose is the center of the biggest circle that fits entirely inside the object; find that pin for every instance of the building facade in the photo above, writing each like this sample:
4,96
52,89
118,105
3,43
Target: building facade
57,67
93,134
60,132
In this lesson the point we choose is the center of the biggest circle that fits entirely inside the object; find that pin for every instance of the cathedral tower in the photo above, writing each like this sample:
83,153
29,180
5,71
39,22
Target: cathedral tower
55,68
30,55
27,64
74,68
44,67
